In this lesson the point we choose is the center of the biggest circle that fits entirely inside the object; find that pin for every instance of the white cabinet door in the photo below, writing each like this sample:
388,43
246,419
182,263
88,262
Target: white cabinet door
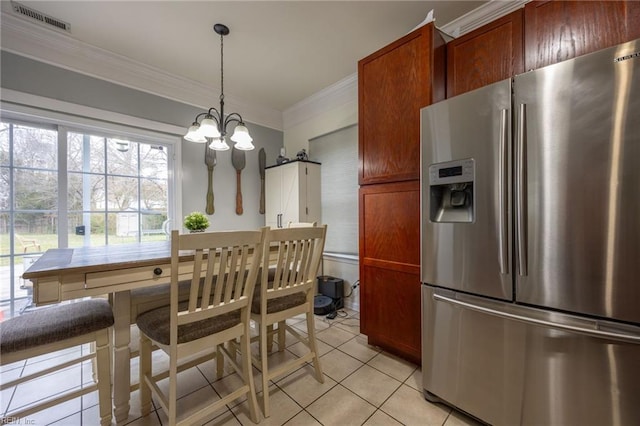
292,194
273,196
313,198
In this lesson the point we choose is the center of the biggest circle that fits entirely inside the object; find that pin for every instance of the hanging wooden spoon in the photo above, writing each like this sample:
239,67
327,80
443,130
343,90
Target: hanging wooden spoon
210,161
238,160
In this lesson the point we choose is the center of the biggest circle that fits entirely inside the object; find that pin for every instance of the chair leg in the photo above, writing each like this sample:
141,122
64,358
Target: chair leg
173,386
270,338
264,368
282,333
311,330
145,371
247,374
103,364
220,359
94,363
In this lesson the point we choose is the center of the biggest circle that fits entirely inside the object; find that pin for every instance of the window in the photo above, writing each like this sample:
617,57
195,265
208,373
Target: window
338,153
64,187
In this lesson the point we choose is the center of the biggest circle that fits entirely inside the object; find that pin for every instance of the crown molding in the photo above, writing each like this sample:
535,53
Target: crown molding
481,15
334,96
31,40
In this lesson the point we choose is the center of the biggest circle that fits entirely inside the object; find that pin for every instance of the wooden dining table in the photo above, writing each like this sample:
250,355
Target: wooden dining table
73,273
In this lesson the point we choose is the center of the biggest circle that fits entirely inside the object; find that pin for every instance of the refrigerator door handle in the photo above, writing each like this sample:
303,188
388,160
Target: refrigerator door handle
503,171
521,166
627,338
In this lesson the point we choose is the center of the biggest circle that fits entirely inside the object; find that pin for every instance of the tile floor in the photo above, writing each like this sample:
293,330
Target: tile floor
363,386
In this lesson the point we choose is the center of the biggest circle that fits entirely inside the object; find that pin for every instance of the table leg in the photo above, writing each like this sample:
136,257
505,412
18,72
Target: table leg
121,355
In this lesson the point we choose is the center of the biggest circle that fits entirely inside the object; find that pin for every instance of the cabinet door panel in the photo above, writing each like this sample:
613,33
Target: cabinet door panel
392,317
394,83
293,186
273,196
390,224
390,266
486,55
560,30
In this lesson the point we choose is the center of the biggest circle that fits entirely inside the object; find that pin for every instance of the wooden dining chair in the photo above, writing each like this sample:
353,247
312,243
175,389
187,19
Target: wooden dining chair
285,293
225,270
52,329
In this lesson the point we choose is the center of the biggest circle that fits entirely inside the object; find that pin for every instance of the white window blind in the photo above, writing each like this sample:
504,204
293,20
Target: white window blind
338,153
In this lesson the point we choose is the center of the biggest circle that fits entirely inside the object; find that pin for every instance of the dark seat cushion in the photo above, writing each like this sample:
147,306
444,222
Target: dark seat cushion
54,324
279,303
156,325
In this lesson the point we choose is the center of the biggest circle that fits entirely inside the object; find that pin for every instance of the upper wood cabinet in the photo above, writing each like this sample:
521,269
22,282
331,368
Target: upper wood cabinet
560,30
394,83
488,54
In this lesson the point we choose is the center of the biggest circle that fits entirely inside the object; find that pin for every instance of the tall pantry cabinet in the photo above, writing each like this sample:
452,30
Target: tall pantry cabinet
292,193
394,83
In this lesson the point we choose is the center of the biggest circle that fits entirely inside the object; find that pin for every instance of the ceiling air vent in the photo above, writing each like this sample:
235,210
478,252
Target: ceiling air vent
23,10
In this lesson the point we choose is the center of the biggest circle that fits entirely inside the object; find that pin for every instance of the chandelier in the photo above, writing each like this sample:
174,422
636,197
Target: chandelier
212,128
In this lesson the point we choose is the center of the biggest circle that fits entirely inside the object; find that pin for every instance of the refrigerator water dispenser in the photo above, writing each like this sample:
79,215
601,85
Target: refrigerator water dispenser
451,191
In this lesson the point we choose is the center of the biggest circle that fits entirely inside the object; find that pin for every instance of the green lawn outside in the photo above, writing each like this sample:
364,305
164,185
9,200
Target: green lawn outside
48,241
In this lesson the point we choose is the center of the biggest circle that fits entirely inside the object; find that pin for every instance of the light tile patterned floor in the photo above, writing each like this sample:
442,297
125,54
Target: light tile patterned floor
363,386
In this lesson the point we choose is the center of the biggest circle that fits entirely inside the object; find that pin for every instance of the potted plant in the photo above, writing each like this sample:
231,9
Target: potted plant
196,222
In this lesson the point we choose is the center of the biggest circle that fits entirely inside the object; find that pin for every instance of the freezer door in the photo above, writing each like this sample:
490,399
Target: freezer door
578,193
466,168
511,365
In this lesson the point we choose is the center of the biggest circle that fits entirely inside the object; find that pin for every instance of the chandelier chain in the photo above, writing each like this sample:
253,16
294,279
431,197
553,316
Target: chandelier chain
221,67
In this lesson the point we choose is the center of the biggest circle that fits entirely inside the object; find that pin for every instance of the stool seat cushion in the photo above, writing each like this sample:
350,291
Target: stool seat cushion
54,324
277,304
156,325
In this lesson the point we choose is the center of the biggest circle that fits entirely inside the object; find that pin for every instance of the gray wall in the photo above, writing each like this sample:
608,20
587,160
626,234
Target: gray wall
37,78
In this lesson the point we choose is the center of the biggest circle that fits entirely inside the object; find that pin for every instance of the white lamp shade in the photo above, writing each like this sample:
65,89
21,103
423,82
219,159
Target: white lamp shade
219,144
244,146
194,135
209,128
242,138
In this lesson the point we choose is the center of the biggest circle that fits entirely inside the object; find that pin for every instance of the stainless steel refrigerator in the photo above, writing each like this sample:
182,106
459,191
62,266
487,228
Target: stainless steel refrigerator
531,245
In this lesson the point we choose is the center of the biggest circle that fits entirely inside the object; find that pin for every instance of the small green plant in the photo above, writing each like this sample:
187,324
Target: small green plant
196,221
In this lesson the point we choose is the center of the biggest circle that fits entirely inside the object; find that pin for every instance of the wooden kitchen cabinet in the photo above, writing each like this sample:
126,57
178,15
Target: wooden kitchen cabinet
390,267
292,193
486,55
394,83
560,30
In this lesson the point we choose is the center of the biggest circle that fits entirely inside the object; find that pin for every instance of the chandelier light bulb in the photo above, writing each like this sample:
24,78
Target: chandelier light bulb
209,128
219,144
194,135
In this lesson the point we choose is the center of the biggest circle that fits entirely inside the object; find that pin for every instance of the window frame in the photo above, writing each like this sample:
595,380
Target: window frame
35,111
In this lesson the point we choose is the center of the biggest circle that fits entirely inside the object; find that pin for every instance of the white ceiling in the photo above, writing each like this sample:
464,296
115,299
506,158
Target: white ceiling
277,53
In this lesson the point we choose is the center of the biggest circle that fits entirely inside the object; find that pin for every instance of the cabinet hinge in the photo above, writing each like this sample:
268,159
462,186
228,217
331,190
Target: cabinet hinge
307,209
306,170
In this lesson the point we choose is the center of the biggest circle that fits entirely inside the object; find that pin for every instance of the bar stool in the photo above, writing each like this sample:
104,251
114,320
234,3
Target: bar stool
52,329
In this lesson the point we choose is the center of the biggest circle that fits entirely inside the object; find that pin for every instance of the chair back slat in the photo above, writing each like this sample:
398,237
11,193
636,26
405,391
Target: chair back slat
299,251
195,281
241,260
226,282
209,276
219,276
